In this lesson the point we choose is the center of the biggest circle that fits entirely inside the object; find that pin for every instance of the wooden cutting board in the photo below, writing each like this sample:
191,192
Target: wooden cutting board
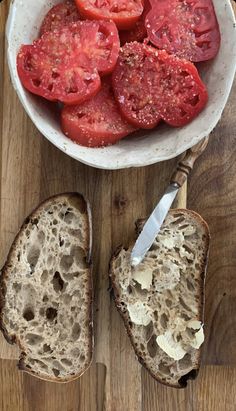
32,170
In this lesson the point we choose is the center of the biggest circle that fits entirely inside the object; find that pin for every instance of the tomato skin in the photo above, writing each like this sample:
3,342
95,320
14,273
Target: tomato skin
150,85
97,122
188,29
59,16
124,19
64,65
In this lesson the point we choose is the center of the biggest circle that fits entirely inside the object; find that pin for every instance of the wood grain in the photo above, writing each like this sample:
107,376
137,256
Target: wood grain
214,390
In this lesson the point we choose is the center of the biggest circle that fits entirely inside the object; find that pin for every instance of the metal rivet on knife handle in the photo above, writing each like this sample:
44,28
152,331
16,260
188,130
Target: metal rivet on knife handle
186,164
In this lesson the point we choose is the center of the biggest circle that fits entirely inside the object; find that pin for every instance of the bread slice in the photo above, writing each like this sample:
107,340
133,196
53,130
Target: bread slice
161,300
46,290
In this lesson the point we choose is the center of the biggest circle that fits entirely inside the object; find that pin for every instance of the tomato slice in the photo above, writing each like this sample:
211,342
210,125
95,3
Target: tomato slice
139,31
102,44
64,65
150,85
59,16
97,122
188,29
124,13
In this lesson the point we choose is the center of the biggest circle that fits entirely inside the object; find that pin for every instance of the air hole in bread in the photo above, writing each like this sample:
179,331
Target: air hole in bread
76,233
185,362
42,311
155,315
164,320
33,256
188,249
76,330
185,317
57,282
41,364
54,231
129,289
16,287
182,302
41,237
68,216
148,330
168,303
142,347
189,285
55,372
78,254
45,298
56,364
66,298
75,352
176,215
55,222
47,348
164,369
152,346
33,339
182,227
61,241
66,362
154,247
51,313
28,314
82,358
66,262
44,276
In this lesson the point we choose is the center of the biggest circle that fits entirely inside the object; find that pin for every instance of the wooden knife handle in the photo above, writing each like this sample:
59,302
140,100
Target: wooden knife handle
186,164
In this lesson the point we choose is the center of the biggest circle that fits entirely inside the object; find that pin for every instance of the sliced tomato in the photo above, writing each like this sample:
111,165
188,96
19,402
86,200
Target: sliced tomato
188,29
102,44
139,31
64,65
150,85
59,16
97,122
124,13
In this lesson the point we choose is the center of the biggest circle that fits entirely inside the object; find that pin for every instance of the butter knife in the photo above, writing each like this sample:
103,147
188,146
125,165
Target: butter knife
153,224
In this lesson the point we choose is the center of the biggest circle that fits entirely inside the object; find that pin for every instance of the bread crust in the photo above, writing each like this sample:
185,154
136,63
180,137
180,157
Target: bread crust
182,383
85,207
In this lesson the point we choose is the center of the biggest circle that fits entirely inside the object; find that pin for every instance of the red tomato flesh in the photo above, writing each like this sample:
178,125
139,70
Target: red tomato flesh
139,31
64,65
186,28
97,122
150,85
124,13
59,16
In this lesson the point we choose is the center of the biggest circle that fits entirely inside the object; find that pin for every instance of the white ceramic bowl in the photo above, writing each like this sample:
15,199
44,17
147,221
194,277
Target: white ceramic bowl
161,144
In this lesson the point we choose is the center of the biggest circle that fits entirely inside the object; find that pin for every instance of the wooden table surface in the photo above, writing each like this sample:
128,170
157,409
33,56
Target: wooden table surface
31,170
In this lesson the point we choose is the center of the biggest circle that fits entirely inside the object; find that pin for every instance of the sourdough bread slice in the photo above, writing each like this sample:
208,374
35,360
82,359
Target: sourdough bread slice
161,300
46,290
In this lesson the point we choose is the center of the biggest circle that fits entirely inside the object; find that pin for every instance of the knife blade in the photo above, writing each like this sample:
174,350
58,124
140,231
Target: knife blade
153,225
